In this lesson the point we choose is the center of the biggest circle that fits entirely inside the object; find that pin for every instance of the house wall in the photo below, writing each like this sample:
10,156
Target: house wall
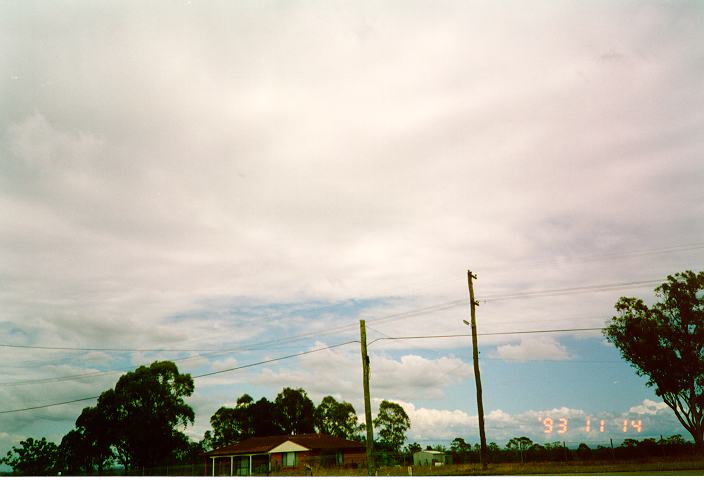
277,460
350,458
356,458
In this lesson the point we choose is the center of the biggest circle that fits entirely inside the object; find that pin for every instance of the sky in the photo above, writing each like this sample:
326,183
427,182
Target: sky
235,182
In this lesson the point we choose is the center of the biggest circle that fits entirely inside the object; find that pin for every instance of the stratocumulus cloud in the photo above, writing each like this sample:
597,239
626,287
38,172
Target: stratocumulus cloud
224,184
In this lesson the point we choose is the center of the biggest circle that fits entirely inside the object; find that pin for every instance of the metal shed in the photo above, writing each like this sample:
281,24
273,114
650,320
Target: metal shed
431,457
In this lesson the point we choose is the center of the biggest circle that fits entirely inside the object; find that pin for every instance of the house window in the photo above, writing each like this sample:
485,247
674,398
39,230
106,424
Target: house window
289,459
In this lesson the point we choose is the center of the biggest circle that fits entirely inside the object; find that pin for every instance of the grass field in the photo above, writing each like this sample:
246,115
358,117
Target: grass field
658,467
691,466
643,467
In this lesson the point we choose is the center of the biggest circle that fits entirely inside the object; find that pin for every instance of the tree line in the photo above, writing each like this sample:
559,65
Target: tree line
292,412
140,424
523,449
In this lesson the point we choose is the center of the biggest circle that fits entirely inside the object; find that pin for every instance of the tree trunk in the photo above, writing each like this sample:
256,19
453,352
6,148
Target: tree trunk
699,443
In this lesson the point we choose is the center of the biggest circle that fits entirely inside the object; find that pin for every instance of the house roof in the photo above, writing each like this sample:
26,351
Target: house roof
312,441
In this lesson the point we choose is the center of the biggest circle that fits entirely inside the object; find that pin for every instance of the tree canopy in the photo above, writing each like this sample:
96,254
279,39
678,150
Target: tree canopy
665,343
336,418
91,441
295,411
392,422
33,458
81,453
519,443
246,419
459,445
147,406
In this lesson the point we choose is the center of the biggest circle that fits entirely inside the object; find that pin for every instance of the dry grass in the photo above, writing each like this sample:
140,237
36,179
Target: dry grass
661,466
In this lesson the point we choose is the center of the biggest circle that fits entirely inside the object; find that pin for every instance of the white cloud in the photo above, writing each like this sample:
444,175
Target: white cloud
228,362
413,376
648,407
442,425
428,423
408,377
532,348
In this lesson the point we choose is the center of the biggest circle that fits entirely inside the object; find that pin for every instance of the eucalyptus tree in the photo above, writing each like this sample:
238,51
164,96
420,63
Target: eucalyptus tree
392,423
665,343
336,418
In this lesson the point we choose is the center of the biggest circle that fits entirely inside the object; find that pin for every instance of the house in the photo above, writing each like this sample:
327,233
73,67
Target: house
431,457
283,452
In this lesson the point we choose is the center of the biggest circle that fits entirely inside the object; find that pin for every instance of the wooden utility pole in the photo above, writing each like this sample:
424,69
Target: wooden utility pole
477,378
367,401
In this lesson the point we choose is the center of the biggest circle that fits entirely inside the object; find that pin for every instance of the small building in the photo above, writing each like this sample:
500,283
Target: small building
431,457
262,455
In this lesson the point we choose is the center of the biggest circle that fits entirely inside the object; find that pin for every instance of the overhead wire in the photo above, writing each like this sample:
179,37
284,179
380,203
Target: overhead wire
377,321
105,373
389,337
385,319
568,260
330,347
216,372
605,256
429,309
380,320
386,337
571,290
460,335
47,405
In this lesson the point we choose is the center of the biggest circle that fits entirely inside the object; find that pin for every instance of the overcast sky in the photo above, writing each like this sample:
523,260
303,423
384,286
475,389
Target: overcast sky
219,175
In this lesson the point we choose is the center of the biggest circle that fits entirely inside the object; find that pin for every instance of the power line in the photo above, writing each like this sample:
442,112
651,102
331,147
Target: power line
249,365
264,344
555,330
387,337
109,349
460,335
572,290
590,258
210,353
193,376
49,405
570,260
406,314
216,372
59,379
94,374
111,372
377,321
385,319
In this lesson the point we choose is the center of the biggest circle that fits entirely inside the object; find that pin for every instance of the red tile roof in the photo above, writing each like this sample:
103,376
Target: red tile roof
312,441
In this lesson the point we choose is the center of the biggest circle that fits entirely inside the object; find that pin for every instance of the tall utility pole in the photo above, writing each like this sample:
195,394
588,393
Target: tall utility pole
477,378
367,401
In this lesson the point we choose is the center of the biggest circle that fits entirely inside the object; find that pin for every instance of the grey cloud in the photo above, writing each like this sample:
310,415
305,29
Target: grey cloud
156,158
